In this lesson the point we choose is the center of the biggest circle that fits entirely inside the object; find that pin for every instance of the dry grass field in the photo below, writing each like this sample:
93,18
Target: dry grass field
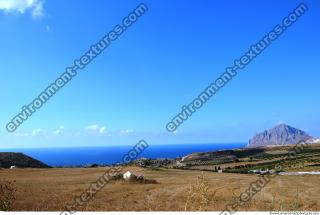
177,190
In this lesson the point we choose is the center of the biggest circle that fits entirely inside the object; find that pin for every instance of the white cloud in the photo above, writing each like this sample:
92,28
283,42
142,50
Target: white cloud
21,6
125,132
103,130
37,132
96,128
21,134
32,133
59,130
92,127
89,130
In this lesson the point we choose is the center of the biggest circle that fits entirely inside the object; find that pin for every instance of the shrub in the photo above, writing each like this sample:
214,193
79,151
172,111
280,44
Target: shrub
7,195
198,196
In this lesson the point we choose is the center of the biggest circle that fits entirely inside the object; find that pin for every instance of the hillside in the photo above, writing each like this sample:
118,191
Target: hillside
246,159
222,155
8,159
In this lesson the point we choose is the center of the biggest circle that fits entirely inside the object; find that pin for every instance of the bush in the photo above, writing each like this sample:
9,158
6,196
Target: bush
7,195
198,196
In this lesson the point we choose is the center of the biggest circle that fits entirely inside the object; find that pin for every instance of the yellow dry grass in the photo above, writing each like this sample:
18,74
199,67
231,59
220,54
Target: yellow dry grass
177,190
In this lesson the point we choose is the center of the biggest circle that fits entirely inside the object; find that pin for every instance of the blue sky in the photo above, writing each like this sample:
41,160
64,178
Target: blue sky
162,62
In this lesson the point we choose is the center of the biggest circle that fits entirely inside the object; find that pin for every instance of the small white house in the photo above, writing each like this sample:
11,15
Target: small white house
13,167
129,176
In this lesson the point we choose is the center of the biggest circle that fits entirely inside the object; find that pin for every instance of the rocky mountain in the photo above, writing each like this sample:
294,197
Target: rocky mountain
8,159
280,135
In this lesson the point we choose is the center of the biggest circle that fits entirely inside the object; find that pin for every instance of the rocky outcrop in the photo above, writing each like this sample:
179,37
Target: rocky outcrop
19,160
280,135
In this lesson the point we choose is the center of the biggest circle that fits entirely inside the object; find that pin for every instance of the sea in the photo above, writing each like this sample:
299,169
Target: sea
107,155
